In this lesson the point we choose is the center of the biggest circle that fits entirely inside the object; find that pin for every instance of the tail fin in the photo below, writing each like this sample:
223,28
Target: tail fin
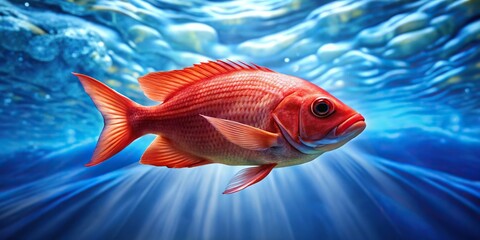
117,132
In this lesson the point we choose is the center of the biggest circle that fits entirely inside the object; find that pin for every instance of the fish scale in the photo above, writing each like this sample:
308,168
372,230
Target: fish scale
245,98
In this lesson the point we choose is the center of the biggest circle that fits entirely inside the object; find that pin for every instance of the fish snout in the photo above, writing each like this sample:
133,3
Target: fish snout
354,125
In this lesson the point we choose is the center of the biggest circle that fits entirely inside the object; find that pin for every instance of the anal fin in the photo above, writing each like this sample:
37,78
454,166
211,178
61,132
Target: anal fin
248,177
162,153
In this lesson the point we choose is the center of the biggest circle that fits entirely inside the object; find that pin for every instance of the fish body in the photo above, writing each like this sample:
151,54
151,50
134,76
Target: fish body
225,112
247,97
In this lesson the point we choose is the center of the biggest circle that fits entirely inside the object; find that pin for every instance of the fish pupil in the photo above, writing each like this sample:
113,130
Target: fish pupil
322,108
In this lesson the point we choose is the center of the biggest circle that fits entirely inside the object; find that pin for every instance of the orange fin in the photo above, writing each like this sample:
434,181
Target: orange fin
159,86
248,177
162,153
116,134
244,135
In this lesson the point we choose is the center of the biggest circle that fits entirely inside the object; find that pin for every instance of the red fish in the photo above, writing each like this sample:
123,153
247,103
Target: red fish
224,112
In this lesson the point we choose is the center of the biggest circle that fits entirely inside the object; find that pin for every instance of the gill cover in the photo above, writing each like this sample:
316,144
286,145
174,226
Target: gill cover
286,116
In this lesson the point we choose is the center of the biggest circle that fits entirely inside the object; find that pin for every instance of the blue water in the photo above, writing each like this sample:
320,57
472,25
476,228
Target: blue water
412,68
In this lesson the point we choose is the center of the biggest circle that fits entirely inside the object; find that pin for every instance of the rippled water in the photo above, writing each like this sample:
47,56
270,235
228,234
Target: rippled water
412,68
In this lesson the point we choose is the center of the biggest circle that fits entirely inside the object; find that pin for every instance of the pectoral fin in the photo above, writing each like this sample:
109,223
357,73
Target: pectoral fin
247,177
243,135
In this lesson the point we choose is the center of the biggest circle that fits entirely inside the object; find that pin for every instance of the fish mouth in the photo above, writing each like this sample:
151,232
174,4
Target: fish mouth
338,136
352,124
341,134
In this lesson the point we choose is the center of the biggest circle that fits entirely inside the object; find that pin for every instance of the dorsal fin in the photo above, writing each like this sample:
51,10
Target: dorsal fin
159,85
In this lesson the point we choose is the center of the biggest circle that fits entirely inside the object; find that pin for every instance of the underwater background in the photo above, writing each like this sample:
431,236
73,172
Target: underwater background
412,68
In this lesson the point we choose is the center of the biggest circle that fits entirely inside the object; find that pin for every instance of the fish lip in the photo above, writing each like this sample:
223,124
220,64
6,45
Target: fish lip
352,123
341,134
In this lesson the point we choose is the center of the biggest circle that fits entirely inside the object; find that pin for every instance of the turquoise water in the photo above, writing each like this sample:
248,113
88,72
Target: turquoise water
412,68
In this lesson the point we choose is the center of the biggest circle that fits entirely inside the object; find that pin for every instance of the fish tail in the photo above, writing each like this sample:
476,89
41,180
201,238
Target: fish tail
117,132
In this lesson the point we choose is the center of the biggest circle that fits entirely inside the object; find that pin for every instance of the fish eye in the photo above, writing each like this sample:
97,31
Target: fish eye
322,107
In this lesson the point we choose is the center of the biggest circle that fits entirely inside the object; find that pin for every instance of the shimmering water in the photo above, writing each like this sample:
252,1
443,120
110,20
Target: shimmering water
412,68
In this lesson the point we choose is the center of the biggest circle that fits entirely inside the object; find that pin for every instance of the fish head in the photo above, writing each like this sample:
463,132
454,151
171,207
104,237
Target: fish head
315,121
